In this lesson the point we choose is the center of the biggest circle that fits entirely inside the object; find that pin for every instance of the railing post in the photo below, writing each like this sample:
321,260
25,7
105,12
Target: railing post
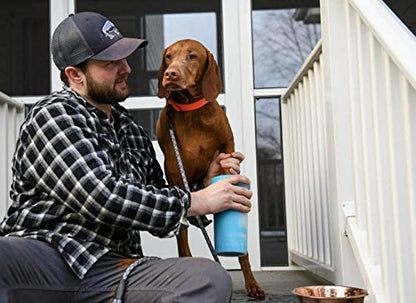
11,115
3,158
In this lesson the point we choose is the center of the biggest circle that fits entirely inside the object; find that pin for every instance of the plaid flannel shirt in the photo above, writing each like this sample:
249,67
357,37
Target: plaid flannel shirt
86,184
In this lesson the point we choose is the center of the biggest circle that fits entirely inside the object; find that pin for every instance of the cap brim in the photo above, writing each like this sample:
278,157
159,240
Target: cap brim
120,49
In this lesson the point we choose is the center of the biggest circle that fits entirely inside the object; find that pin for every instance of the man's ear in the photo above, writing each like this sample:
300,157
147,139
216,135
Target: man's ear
74,75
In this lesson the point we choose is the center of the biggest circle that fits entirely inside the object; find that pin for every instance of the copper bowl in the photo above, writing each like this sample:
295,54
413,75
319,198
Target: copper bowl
330,294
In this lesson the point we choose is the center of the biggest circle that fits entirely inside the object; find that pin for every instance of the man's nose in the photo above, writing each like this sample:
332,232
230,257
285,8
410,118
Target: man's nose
124,66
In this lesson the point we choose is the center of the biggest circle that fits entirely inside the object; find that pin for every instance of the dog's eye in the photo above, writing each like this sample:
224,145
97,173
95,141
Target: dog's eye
167,56
192,56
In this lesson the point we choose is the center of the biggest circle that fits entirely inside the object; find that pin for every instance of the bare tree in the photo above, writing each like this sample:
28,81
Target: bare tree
281,45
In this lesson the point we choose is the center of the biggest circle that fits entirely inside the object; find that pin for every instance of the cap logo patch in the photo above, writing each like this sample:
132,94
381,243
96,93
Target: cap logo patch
110,30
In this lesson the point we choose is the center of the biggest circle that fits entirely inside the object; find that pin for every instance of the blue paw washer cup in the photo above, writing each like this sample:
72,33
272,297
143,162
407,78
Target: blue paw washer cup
230,229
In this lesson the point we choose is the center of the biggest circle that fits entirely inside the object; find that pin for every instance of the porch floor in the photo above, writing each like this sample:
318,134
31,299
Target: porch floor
277,285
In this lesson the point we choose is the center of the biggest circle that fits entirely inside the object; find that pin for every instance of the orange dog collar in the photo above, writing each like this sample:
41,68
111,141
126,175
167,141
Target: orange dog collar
188,107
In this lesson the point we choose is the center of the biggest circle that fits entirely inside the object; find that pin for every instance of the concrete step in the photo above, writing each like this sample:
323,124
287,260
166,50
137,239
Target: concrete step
278,285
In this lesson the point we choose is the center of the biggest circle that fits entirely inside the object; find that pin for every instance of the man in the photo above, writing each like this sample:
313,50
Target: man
86,181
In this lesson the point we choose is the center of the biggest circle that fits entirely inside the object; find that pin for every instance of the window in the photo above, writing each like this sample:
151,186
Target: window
284,33
24,50
161,23
270,183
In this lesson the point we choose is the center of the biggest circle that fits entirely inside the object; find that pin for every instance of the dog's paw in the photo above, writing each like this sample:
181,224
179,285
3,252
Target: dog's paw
254,290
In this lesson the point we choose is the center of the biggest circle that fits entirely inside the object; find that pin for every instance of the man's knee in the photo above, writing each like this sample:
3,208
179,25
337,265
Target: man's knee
219,279
185,280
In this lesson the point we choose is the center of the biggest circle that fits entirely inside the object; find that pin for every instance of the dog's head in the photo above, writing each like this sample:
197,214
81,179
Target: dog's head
188,65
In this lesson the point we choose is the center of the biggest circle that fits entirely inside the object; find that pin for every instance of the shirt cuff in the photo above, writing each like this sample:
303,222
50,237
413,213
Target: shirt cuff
183,220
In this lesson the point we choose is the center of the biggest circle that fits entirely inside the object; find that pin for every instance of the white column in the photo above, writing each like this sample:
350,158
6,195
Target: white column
239,101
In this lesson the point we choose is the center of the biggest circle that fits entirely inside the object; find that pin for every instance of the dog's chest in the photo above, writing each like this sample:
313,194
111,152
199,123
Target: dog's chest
198,138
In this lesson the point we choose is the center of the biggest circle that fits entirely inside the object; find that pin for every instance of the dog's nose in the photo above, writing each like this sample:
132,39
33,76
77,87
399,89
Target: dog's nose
171,73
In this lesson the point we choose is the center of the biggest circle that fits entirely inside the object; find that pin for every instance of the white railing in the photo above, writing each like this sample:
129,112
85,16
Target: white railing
349,131
306,168
11,115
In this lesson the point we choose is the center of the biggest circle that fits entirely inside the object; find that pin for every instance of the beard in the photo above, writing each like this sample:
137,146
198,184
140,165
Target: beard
104,94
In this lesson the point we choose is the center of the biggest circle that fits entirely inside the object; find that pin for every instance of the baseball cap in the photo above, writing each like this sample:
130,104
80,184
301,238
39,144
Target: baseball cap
86,35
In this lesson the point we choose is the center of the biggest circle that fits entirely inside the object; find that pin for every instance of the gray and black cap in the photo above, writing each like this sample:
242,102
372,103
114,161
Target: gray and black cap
88,35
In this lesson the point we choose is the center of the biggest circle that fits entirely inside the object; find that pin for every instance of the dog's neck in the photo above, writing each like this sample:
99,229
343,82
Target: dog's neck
185,96
188,107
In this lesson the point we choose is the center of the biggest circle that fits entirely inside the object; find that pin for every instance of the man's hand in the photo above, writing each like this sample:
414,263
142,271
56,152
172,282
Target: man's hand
222,195
221,161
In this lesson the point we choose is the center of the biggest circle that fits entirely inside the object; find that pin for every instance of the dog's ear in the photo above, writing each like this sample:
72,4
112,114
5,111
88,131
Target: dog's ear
211,80
162,92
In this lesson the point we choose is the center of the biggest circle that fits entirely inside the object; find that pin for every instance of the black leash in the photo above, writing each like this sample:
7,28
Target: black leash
185,182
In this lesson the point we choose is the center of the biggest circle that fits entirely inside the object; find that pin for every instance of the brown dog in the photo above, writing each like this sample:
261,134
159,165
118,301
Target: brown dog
190,80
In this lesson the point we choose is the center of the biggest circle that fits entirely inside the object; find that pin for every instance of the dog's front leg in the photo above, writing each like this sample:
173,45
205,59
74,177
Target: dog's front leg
183,246
253,288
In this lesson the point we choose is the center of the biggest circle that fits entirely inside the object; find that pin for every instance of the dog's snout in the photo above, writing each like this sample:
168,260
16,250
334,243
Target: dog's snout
171,73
